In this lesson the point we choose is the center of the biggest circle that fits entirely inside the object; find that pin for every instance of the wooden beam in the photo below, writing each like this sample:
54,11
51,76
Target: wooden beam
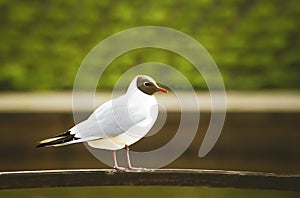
157,177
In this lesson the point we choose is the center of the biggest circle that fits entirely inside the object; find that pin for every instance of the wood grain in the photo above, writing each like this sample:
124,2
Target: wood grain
157,177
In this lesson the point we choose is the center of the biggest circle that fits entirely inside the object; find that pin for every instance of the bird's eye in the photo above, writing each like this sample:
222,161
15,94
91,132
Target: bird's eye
147,84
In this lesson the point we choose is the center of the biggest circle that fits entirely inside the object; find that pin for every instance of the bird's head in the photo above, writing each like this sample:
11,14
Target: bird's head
147,85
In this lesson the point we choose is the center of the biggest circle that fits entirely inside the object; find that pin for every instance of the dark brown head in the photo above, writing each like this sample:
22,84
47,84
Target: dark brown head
148,85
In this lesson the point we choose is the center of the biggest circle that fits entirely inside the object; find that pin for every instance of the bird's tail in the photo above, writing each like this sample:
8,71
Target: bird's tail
59,140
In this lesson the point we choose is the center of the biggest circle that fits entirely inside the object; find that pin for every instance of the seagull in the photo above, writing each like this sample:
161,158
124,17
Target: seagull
118,123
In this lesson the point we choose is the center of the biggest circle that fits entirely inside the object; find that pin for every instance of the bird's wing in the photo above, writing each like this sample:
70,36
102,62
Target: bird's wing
129,137
110,119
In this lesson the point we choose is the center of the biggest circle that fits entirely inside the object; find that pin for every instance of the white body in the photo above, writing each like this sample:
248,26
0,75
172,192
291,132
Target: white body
118,122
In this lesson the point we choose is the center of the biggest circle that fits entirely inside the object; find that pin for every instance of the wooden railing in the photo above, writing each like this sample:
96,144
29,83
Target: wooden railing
153,177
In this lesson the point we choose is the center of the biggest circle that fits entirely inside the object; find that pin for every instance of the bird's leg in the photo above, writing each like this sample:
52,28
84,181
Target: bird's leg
129,167
127,157
116,166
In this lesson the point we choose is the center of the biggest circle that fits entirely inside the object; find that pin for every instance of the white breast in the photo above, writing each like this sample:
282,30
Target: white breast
139,105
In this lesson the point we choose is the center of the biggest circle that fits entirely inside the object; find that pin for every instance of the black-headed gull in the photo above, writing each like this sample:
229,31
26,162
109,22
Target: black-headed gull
118,123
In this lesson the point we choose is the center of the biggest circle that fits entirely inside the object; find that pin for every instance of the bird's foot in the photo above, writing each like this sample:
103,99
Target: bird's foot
134,169
138,169
119,168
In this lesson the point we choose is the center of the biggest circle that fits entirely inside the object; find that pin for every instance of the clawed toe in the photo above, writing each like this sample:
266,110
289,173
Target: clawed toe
136,169
118,168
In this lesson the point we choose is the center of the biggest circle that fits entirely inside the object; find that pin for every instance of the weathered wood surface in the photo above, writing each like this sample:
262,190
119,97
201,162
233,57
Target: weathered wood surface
157,177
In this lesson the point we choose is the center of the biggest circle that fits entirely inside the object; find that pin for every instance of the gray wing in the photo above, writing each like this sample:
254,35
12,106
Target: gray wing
110,119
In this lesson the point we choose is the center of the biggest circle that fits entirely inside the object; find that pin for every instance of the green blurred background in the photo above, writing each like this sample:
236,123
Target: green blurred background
255,43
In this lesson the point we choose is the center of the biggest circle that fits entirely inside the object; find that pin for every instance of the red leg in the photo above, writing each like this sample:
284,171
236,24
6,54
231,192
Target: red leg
116,166
129,167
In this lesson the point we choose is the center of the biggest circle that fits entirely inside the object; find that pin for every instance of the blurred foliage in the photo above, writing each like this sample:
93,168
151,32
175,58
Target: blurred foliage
255,43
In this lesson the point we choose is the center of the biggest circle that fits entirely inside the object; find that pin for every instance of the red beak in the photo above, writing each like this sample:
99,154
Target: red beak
162,90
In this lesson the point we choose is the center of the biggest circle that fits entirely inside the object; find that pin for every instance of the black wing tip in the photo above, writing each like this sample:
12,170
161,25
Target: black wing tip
39,145
68,133
42,144
62,138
